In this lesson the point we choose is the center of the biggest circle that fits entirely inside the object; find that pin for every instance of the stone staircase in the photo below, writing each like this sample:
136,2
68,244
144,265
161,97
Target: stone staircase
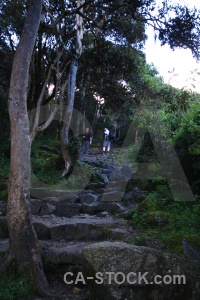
87,229
65,221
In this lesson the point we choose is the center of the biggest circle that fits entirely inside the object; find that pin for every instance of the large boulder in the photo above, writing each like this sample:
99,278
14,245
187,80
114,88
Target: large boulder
139,273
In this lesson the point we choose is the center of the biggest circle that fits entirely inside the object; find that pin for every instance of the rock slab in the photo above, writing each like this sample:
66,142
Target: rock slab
134,273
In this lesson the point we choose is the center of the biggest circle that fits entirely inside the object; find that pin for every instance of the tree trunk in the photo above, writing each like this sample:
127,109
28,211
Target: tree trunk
23,240
79,120
64,133
68,115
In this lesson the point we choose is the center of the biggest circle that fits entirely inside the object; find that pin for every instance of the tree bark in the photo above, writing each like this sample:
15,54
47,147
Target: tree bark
68,115
64,132
23,240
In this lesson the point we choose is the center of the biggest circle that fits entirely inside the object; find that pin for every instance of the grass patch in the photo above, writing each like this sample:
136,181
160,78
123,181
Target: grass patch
4,166
14,286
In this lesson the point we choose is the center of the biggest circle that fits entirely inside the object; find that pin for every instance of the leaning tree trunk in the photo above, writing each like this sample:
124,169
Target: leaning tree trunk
67,116
23,240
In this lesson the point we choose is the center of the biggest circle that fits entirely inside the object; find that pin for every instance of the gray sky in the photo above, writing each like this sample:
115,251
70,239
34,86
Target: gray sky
177,67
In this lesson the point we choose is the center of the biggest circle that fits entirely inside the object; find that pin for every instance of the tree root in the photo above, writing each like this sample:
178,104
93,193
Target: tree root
67,166
43,287
41,282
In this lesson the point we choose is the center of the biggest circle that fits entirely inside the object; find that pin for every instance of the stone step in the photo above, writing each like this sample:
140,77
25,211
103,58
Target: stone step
64,252
112,196
120,184
107,200
42,193
100,191
51,208
4,245
79,228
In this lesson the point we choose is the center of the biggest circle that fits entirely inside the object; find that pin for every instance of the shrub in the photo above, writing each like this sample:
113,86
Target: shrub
161,217
82,175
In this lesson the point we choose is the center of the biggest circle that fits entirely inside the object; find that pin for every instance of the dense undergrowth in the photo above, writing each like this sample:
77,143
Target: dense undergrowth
14,285
47,167
159,216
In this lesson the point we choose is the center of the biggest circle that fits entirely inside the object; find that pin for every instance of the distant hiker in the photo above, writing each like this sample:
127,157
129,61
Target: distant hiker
87,140
106,141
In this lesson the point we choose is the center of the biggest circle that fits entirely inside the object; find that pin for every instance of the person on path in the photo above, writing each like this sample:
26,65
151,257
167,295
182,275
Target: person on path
106,141
86,142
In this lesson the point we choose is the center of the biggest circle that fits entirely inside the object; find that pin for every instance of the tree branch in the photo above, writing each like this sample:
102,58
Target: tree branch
49,120
37,115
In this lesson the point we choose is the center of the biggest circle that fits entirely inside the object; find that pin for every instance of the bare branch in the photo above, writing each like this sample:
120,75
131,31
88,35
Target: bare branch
49,120
37,115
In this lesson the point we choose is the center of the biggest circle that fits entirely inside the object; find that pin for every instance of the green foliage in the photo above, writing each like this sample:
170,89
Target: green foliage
82,175
74,147
14,285
186,21
45,166
130,154
106,231
4,166
187,143
172,119
4,194
160,217
194,239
